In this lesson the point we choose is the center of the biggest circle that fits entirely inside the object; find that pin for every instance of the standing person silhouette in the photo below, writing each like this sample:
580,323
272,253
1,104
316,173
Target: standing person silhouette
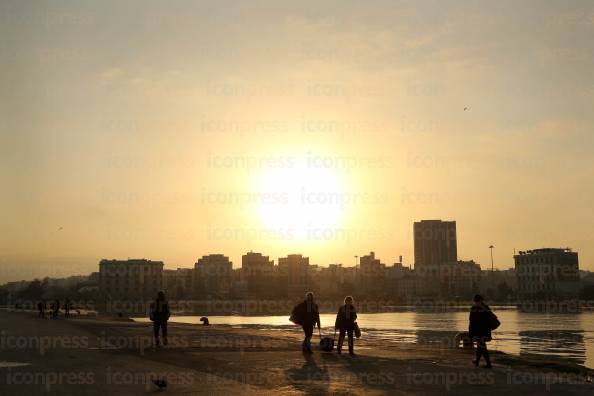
56,308
159,314
307,315
345,323
67,308
41,308
480,330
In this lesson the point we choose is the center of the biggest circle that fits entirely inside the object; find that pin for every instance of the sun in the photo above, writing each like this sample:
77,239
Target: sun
301,200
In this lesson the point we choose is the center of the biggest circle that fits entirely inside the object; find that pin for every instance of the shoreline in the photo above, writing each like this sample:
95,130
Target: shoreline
244,361
509,342
251,308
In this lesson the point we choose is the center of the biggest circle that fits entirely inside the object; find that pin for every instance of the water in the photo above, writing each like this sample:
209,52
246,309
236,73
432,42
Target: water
564,336
13,364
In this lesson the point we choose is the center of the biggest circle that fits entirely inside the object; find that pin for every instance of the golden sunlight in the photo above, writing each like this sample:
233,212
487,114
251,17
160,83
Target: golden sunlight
301,199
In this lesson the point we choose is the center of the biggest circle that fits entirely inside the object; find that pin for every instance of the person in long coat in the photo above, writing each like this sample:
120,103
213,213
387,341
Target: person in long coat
159,314
345,323
479,329
307,315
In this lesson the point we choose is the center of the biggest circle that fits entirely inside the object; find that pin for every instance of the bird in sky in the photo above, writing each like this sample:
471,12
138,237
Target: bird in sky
465,108
60,228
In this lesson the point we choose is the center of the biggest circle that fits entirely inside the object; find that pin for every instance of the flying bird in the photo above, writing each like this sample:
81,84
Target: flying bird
465,108
60,228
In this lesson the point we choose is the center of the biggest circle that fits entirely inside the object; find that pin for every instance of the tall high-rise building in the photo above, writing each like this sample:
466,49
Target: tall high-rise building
435,242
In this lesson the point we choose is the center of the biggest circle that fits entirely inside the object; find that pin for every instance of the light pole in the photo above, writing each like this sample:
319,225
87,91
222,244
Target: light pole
491,247
356,261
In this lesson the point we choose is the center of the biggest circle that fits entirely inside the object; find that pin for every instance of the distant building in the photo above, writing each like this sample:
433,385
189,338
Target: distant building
334,281
401,281
94,278
130,280
461,278
213,277
178,283
371,275
169,280
296,267
500,285
239,286
547,273
449,279
435,242
15,286
258,273
587,277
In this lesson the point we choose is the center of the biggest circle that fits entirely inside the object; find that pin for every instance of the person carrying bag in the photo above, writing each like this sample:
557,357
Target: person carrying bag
346,324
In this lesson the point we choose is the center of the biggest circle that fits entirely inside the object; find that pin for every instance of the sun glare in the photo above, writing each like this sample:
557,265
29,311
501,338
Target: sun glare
301,200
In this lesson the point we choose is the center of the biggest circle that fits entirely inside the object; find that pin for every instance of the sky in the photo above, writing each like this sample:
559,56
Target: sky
171,130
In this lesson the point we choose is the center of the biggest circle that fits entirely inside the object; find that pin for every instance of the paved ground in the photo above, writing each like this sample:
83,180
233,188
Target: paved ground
108,357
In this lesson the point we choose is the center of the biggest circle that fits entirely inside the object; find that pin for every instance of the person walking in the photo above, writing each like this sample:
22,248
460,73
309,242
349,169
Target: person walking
479,329
67,308
159,314
56,308
41,308
345,323
307,315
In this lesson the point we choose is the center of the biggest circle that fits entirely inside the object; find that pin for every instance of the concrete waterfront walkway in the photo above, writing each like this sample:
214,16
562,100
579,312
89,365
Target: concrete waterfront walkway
98,356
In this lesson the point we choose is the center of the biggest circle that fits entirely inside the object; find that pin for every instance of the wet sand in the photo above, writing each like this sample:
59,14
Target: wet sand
103,356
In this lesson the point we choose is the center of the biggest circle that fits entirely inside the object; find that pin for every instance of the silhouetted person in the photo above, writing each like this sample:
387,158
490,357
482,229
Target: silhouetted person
67,308
307,315
345,323
204,321
41,309
159,314
56,308
479,329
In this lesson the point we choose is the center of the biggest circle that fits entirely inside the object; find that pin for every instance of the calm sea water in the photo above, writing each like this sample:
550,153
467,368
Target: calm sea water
563,336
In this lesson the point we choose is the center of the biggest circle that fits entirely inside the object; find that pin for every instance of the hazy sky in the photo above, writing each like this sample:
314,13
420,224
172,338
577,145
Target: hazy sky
170,130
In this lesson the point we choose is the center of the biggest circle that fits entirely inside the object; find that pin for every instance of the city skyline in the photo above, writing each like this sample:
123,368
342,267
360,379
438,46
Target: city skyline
440,233
315,197
330,136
